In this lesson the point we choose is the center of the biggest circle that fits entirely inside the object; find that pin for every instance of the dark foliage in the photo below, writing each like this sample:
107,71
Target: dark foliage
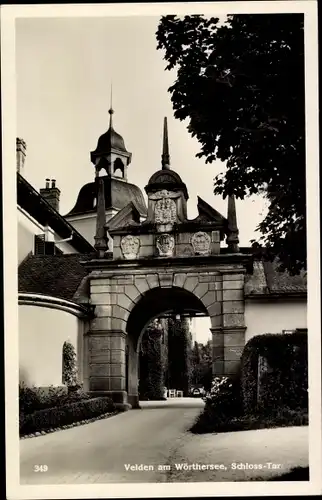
66,414
210,421
201,360
32,399
151,365
285,382
179,342
69,364
241,86
223,403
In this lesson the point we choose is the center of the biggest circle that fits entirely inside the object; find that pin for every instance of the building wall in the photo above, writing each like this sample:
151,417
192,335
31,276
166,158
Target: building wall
28,228
42,333
86,226
274,317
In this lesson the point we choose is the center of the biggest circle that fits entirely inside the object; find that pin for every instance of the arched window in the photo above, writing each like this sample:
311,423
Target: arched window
118,169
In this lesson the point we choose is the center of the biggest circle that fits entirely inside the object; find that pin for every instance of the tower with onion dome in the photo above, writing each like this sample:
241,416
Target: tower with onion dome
111,161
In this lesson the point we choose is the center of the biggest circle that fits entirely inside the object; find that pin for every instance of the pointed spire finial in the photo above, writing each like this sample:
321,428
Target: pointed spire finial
165,158
111,110
232,239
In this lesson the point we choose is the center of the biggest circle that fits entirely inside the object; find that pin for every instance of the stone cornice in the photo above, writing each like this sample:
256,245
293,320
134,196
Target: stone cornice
183,227
33,299
151,264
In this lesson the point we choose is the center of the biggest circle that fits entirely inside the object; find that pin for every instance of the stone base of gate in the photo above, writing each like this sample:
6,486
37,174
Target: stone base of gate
119,398
133,400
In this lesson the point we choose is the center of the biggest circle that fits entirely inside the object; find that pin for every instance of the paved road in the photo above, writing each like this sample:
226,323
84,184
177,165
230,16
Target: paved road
106,450
98,452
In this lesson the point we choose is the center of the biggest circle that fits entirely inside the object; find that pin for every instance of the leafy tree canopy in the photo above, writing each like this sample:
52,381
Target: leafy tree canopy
241,86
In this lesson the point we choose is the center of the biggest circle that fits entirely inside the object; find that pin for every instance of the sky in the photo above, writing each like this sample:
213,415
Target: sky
64,70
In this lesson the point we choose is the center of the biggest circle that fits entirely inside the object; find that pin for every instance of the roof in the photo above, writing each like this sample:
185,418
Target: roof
118,193
54,275
35,205
268,281
166,179
110,140
165,176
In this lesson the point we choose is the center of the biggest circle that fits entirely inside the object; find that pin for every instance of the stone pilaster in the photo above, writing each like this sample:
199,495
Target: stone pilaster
233,305
218,351
107,374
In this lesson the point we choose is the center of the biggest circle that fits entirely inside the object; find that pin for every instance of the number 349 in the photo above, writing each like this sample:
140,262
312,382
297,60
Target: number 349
40,468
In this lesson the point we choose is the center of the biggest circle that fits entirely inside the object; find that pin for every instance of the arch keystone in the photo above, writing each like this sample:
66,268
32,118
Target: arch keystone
166,280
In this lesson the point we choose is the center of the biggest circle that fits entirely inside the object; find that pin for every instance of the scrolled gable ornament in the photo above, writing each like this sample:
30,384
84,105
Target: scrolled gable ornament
130,246
200,242
164,193
165,245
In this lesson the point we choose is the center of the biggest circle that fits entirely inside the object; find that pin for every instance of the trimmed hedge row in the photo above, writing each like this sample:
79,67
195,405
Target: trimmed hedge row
211,422
32,399
285,382
67,414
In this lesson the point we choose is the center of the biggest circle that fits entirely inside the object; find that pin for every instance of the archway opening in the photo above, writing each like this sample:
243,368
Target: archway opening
161,344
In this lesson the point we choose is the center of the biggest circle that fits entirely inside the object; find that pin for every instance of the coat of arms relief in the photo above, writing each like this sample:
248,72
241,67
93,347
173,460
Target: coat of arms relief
130,246
200,242
165,245
165,209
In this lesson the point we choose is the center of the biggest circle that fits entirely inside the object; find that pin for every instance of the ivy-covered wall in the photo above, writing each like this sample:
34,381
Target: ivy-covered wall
152,363
165,358
179,354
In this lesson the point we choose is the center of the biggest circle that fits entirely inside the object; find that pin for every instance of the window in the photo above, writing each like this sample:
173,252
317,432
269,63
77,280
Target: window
43,247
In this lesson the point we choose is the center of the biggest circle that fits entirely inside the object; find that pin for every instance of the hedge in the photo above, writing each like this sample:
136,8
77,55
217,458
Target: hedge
32,399
211,422
67,414
285,383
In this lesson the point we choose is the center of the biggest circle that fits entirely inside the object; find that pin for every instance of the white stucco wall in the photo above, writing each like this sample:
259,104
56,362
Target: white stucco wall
274,317
27,229
42,332
86,226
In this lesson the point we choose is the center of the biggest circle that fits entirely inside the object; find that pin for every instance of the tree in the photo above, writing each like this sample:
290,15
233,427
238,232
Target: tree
202,364
70,372
241,86
151,364
179,341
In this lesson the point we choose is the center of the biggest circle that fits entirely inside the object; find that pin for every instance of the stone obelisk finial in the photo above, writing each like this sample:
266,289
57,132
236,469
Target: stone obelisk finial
101,240
232,239
165,158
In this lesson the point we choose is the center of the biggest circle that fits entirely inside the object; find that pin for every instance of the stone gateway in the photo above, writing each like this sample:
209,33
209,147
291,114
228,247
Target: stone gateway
151,273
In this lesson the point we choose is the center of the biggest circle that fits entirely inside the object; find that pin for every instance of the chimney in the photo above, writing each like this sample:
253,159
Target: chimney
20,154
51,193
